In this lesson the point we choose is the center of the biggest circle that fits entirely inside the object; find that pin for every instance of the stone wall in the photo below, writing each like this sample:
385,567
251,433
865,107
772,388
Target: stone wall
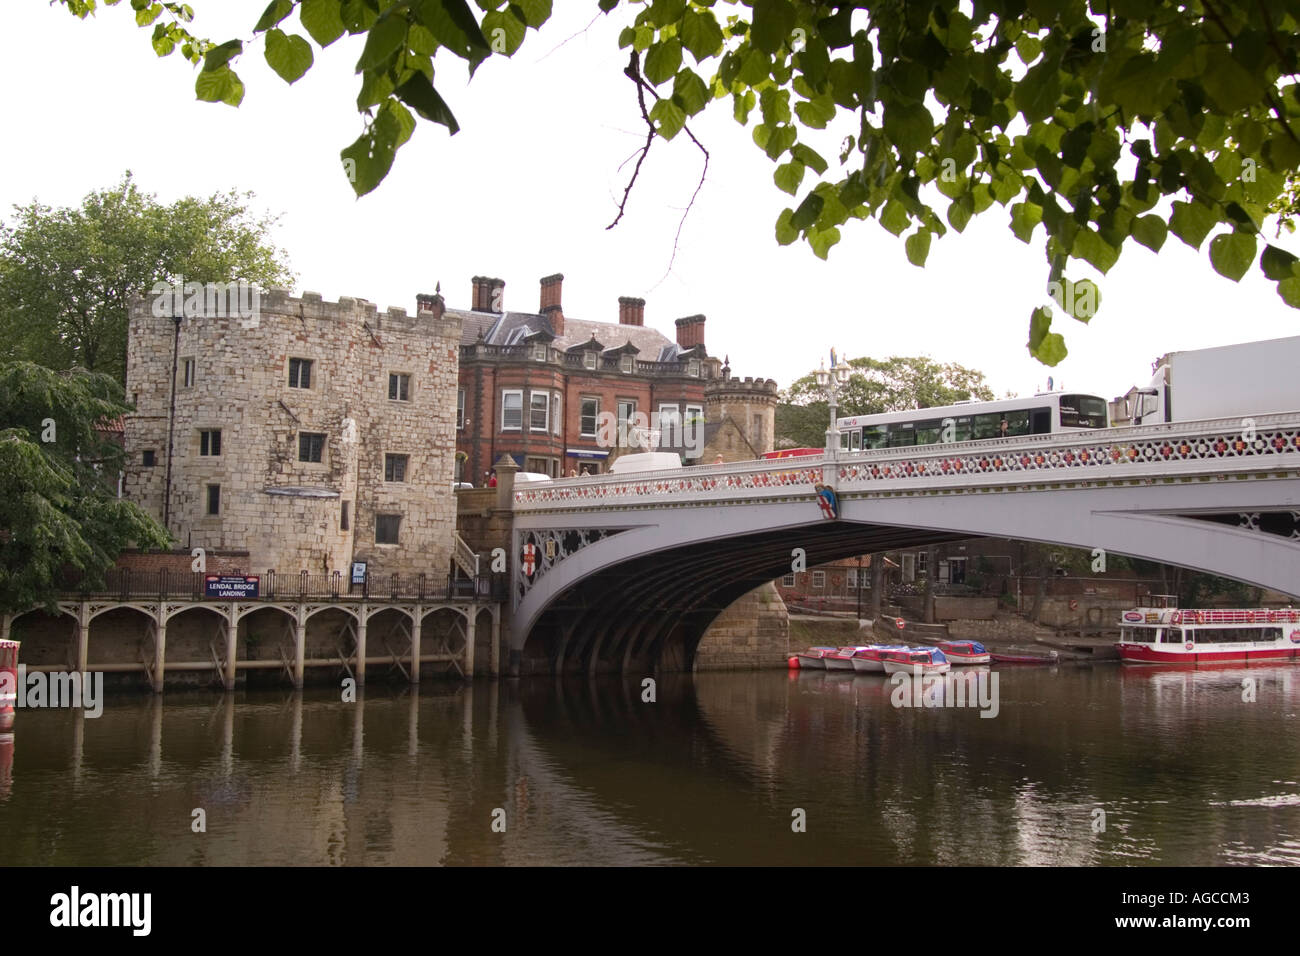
233,374
753,632
1003,627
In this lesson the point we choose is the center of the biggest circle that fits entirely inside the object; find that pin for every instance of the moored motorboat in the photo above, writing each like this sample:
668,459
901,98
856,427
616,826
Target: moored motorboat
842,658
1161,633
8,682
964,652
868,659
1025,658
913,660
812,659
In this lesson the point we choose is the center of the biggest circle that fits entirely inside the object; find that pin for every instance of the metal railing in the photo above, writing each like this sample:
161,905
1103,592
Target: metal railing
124,584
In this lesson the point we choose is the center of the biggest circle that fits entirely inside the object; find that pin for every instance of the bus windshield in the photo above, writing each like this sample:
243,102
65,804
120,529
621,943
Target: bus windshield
1083,411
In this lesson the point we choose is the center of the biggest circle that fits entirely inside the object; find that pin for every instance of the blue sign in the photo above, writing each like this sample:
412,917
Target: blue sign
231,587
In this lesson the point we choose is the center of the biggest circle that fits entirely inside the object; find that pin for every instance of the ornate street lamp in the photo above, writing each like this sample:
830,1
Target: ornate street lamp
829,380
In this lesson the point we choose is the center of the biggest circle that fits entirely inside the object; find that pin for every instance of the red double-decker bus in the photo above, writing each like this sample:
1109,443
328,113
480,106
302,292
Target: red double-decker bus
793,452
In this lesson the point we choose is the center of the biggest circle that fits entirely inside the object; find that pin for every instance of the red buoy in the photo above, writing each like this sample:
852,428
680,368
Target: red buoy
793,663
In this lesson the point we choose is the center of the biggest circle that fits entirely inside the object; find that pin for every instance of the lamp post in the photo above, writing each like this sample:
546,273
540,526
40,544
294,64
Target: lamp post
829,381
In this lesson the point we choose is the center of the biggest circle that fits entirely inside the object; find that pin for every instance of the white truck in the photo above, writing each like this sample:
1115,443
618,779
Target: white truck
1250,378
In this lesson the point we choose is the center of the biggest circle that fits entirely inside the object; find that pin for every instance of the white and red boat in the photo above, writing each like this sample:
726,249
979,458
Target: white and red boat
1162,633
8,682
914,660
813,658
964,652
868,660
842,658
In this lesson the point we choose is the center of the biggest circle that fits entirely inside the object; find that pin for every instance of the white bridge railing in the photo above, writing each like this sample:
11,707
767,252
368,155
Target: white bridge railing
1179,449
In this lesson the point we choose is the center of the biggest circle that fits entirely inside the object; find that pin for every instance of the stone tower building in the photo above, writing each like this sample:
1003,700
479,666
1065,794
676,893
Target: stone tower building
740,416
308,433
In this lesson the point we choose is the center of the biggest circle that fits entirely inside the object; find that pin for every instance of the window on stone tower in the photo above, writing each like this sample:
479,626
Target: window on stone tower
311,446
399,387
210,442
387,528
395,467
188,373
345,516
214,499
148,458
300,373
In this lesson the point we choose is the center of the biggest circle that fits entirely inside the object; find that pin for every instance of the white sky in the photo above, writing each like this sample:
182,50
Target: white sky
529,184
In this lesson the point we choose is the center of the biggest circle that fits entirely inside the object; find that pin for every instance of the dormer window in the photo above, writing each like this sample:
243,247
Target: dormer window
626,363
539,353
693,368
589,360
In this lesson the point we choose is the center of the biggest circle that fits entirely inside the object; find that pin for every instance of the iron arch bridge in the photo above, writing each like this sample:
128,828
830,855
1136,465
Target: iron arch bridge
626,572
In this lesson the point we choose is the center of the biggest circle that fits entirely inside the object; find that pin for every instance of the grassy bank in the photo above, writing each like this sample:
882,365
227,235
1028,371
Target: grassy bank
837,631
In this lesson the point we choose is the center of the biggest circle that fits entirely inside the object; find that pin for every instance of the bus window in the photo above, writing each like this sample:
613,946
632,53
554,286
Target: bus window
855,441
902,434
1017,422
1040,421
985,426
962,431
927,432
875,436
1083,411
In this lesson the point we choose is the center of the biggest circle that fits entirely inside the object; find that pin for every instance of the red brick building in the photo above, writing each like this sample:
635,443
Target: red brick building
534,385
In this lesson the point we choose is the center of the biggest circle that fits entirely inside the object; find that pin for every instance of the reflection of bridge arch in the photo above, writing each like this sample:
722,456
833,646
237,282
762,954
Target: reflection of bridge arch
636,568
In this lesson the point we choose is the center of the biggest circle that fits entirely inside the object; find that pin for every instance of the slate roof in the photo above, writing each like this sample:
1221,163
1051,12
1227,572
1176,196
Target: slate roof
510,328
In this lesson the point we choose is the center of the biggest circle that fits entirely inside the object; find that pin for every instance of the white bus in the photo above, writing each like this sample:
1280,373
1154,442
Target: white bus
1043,414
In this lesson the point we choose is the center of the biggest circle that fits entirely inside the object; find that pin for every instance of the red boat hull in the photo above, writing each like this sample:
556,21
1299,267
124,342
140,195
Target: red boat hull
1148,654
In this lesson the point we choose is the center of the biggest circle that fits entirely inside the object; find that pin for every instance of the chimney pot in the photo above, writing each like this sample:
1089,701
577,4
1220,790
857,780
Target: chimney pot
631,311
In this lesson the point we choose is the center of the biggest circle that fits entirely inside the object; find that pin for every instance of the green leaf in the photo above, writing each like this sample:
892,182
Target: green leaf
773,23
454,26
503,31
1289,290
1151,231
690,92
910,126
959,213
788,176
821,240
701,33
419,94
1092,248
536,12
1024,217
1231,254
1046,346
1192,222
808,211
918,247
786,233
816,113
385,38
1039,91
219,86
663,61
219,56
809,157
1278,264
894,217
276,11
321,19
289,56
670,117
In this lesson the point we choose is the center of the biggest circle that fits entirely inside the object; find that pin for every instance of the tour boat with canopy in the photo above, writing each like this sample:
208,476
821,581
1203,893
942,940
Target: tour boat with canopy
1159,632
908,660
965,652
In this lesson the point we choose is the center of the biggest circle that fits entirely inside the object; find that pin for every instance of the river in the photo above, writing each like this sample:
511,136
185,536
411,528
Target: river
1083,765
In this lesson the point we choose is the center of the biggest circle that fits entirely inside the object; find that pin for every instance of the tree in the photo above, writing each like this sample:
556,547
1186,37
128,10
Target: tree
1105,122
59,510
876,386
68,275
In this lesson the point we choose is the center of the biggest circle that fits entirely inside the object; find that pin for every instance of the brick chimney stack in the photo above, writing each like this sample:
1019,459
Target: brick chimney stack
690,331
551,307
631,311
430,304
489,294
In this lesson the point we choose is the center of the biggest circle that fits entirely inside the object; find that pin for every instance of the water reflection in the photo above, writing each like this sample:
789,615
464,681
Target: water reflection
1083,766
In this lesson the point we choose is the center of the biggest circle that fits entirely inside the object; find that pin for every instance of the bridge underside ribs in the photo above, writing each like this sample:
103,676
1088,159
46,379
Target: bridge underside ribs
649,614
